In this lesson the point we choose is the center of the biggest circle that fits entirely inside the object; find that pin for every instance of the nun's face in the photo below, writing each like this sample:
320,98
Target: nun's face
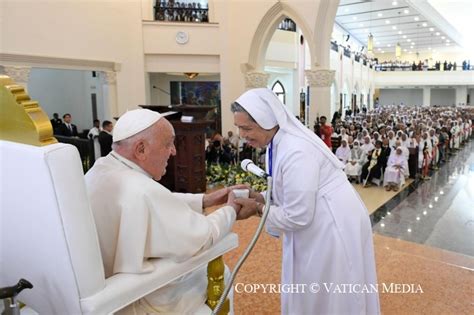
255,135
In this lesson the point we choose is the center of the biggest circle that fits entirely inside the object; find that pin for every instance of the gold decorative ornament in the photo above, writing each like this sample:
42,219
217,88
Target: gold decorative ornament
22,119
215,285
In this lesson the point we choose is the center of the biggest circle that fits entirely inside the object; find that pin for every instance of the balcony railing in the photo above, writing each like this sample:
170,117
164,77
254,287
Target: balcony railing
347,52
287,25
181,12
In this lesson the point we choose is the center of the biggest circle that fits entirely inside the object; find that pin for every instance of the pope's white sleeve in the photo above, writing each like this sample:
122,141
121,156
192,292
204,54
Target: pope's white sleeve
300,184
194,201
221,222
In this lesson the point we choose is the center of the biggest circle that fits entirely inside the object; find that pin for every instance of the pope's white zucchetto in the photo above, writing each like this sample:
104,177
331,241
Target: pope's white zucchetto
133,122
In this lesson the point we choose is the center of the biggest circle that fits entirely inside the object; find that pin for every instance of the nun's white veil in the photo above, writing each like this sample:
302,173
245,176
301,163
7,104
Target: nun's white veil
267,110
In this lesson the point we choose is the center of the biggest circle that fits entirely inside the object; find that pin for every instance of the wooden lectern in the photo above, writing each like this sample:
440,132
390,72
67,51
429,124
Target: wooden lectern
186,172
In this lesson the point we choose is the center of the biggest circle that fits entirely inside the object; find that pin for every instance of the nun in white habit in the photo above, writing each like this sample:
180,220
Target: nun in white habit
325,227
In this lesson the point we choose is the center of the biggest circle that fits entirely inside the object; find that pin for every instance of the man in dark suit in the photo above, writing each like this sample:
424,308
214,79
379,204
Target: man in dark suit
56,122
68,129
105,138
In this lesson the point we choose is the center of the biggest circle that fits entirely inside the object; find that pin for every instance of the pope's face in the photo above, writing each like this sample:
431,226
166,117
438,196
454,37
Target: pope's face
160,150
255,135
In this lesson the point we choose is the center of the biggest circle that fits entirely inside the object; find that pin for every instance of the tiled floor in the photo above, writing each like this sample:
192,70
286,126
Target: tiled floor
440,212
446,278
374,197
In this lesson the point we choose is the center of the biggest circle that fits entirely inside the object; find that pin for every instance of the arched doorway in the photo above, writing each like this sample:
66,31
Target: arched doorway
279,90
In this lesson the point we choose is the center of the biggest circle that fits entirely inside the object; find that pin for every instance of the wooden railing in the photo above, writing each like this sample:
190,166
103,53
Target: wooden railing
85,148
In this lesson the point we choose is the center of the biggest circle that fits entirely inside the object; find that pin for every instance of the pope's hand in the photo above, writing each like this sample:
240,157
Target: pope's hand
220,196
231,202
249,207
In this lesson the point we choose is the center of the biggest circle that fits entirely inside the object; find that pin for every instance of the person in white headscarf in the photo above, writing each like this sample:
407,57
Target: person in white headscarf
455,133
137,218
343,153
344,135
354,165
391,139
326,230
367,146
425,155
396,170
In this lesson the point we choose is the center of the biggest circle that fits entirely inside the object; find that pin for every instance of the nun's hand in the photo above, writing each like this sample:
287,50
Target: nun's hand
220,196
257,196
249,207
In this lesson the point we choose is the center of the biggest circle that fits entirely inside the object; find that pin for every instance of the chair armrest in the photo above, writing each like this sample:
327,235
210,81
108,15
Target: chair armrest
123,289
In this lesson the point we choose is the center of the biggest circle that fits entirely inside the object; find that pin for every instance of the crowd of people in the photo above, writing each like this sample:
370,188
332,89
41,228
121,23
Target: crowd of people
100,135
425,65
382,146
358,55
389,144
230,149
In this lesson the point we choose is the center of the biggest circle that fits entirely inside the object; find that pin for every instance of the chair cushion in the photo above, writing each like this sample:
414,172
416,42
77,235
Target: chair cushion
131,287
48,233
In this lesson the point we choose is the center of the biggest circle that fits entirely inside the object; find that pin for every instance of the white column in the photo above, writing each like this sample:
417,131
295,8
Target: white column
426,96
461,95
19,74
319,93
109,88
256,79
147,10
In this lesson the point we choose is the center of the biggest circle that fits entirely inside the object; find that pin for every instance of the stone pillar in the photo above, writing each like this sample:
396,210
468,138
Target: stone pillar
426,96
19,74
319,82
256,80
148,10
461,95
109,89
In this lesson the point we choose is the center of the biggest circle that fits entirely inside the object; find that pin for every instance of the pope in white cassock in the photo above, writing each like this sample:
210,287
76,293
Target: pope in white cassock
324,226
137,218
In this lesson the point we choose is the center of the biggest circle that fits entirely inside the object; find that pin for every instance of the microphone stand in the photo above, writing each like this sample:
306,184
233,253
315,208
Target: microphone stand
249,248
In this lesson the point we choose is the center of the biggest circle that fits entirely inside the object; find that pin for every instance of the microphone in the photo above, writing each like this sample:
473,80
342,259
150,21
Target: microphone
249,166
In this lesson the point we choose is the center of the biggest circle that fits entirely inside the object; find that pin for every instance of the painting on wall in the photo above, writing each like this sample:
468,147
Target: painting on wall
199,93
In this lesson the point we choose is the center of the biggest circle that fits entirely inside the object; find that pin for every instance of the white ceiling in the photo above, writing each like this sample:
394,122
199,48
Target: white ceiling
397,21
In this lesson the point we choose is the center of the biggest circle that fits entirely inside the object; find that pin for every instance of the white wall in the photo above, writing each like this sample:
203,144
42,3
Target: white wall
160,94
67,91
283,47
286,78
398,96
443,97
108,31
417,78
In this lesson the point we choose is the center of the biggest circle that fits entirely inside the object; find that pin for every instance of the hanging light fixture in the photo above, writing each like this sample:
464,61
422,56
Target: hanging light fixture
398,48
370,43
191,75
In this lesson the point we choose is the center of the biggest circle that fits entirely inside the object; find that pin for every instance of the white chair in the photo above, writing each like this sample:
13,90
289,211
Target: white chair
47,230
48,236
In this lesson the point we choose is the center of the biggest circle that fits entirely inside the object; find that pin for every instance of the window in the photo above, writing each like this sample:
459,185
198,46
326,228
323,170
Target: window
279,90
